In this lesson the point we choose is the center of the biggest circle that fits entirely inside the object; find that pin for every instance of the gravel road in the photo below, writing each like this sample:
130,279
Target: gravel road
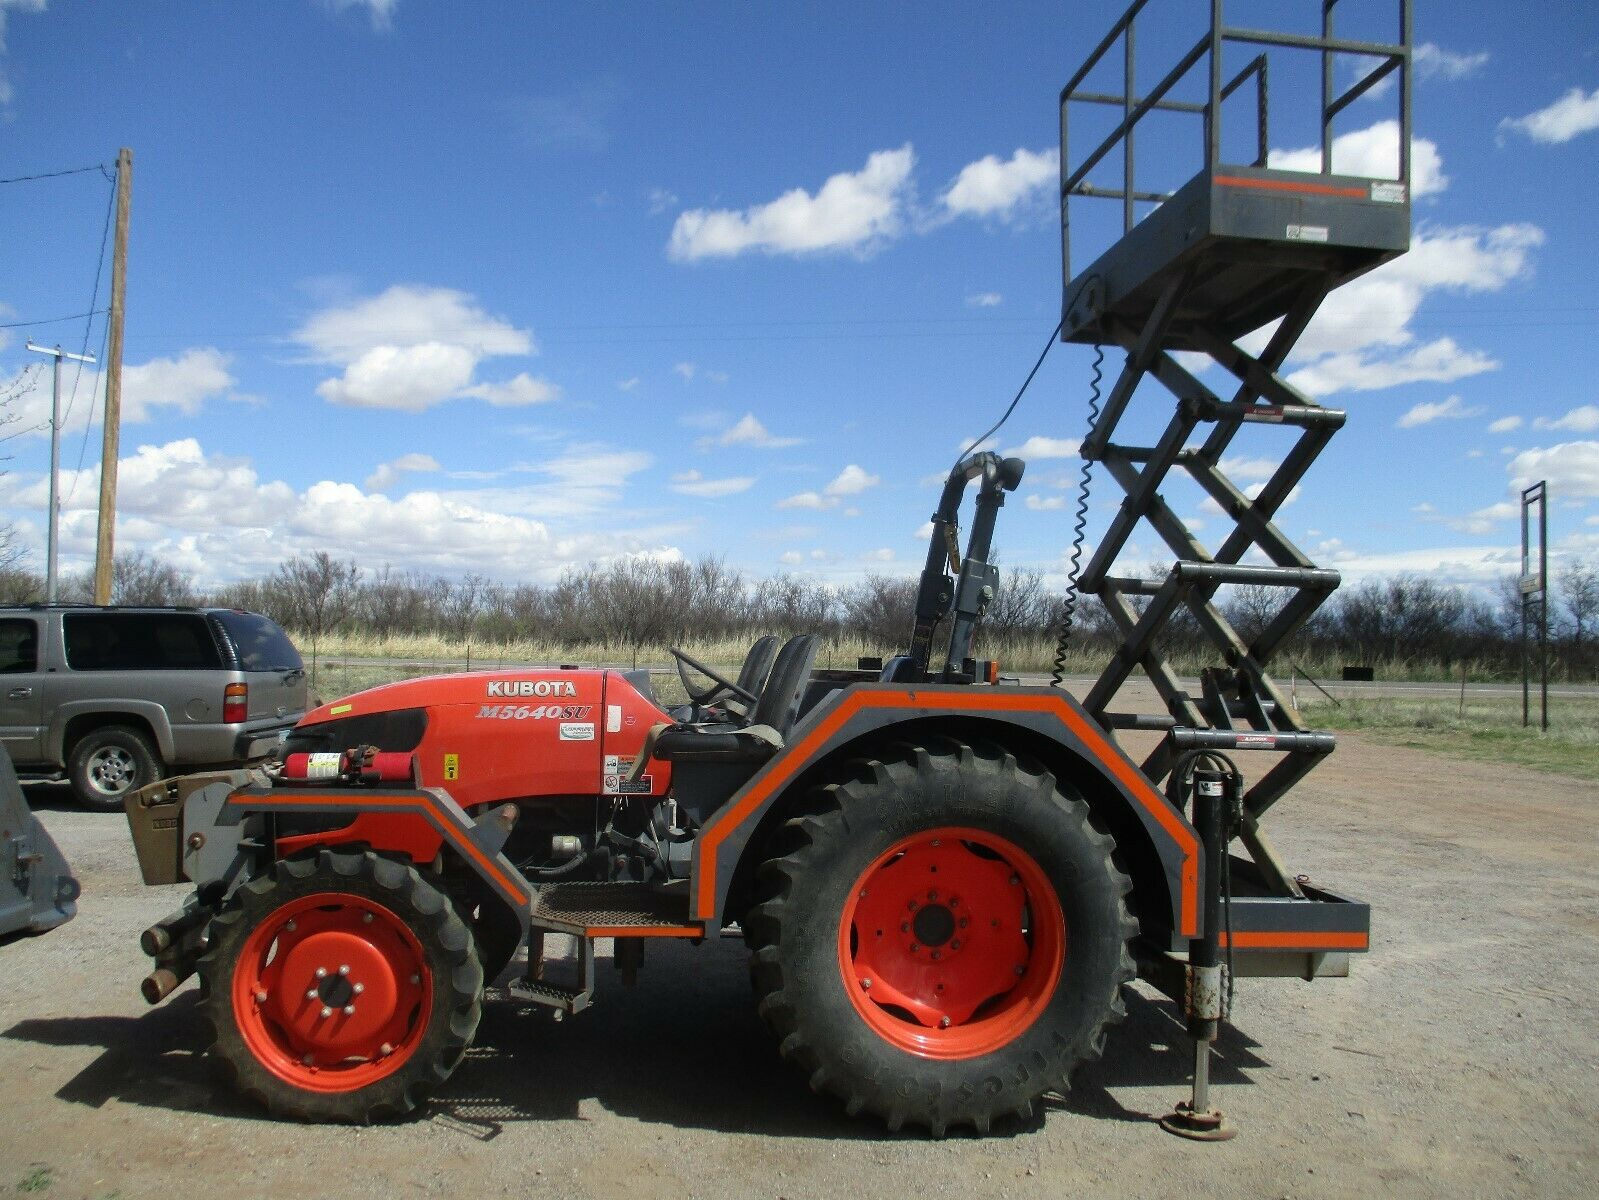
1461,1057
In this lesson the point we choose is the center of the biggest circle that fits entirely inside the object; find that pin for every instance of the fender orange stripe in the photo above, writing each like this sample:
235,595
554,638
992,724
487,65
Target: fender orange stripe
1167,817
1288,185
1319,940
452,832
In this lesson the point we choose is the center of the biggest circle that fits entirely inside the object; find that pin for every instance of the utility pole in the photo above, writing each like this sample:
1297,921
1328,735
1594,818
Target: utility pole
57,353
105,544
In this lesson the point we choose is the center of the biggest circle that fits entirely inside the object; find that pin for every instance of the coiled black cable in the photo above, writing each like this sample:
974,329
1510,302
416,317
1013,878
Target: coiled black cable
1068,607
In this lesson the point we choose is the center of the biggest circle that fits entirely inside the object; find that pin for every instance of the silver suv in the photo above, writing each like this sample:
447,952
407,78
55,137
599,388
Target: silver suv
113,697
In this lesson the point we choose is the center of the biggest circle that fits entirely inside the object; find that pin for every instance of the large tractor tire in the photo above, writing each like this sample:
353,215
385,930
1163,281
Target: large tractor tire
943,939
344,987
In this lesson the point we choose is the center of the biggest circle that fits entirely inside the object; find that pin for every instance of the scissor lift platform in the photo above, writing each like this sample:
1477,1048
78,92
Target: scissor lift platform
1251,238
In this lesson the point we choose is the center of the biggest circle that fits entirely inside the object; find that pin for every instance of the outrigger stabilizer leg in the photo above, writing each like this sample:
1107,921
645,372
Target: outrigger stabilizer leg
1195,1118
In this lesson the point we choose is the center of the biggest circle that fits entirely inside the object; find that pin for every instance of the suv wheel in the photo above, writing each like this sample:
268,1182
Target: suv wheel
108,763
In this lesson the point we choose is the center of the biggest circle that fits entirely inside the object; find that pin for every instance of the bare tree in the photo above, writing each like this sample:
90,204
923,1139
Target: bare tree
318,594
1579,596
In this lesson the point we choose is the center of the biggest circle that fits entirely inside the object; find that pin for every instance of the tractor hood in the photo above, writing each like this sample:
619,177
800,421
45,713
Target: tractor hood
490,736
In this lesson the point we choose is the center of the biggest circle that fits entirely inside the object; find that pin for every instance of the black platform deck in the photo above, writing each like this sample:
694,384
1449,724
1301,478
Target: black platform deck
1252,237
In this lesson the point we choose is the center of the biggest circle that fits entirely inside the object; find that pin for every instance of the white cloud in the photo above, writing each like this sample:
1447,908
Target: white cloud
1241,468
389,473
1439,361
1448,564
854,212
984,300
807,500
1429,411
1505,424
214,517
686,369
412,347
1044,503
1037,448
692,483
628,384
791,558
991,187
851,481
660,200
516,392
6,8
184,383
1372,153
748,431
1571,468
1584,419
1376,310
1434,62
1574,113
883,555
380,12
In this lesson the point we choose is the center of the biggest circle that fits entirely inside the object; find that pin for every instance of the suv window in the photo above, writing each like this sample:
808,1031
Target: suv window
105,641
261,645
19,645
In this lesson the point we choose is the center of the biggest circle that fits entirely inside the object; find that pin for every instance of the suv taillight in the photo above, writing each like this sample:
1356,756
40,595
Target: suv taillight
236,703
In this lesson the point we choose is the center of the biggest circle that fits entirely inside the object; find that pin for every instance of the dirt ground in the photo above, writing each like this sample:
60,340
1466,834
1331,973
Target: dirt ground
1460,1058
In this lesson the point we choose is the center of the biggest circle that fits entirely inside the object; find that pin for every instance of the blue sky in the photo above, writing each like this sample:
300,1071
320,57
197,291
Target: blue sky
507,287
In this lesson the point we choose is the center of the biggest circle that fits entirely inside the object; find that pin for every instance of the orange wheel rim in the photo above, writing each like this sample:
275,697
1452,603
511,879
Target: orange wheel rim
332,992
952,943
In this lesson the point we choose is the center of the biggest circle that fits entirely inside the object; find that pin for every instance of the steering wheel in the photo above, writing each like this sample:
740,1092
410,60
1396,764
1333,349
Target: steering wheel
703,696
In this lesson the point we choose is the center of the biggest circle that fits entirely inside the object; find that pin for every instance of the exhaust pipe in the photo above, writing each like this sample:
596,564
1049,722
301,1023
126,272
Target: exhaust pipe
175,964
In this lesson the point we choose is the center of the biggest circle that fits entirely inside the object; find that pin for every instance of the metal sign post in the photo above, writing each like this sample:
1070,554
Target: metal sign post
1535,598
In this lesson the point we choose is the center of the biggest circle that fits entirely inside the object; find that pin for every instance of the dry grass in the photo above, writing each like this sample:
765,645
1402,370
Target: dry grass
1489,728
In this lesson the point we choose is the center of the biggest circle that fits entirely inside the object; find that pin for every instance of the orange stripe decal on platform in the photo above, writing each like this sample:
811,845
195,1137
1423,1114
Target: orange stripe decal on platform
1289,185
966,701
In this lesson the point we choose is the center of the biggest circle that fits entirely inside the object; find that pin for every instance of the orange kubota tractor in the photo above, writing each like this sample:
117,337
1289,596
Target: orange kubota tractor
944,879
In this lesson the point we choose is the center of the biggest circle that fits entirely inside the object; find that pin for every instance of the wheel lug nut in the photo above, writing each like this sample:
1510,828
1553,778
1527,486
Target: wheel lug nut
416,979
1021,971
904,926
937,843
963,922
349,1010
866,984
914,947
326,1011
321,972
359,988
260,997
308,1059
366,918
1015,879
955,945
385,1049
938,954
943,1023
911,904
311,995
933,895
292,926
345,969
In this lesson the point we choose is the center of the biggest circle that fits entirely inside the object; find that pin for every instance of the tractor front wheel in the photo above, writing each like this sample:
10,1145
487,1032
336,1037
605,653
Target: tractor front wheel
943,939
342,988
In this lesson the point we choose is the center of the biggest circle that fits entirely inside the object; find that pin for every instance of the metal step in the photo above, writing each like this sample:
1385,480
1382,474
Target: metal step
578,907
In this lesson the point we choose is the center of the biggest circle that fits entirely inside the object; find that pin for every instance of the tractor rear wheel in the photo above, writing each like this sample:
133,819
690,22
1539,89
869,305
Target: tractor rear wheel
943,939
341,988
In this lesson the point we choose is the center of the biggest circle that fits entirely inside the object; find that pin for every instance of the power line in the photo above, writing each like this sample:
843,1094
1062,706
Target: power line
54,320
94,298
57,174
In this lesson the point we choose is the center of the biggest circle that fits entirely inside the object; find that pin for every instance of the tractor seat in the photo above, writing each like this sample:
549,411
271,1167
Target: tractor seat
754,739
751,677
